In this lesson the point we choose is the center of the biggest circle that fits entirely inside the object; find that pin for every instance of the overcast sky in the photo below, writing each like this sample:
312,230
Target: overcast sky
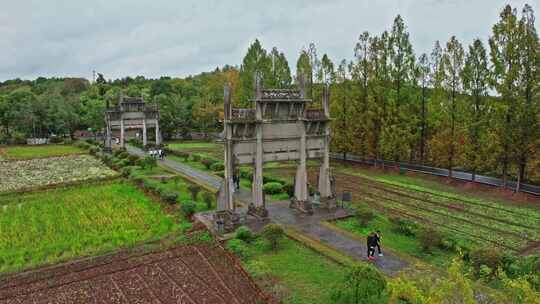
180,37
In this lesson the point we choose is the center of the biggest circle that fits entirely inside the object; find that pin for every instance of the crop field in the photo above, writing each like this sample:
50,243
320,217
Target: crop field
27,174
208,148
29,152
185,274
49,226
476,220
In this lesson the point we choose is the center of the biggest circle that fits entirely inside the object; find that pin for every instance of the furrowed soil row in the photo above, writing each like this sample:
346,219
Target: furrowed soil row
409,194
469,217
418,219
428,211
160,277
495,206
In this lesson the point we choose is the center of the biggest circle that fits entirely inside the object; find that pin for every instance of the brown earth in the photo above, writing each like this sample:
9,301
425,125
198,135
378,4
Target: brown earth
186,274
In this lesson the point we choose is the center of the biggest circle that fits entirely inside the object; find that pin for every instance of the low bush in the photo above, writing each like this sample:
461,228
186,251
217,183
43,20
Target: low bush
183,155
217,166
93,150
208,199
195,157
194,190
123,155
429,238
238,248
487,256
188,208
272,188
133,158
126,171
169,196
403,226
364,215
273,233
271,179
289,189
124,163
55,139
244,233
246,173
149,162
365,284
117,152
207,162
221,174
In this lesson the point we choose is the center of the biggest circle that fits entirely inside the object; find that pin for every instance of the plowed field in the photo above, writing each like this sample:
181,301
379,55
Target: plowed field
188,274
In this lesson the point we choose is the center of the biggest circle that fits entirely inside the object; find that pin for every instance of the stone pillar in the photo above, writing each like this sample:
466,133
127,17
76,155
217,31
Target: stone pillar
107,144
300,187
257,206
324,174
122,132
226,202
158,137
144,138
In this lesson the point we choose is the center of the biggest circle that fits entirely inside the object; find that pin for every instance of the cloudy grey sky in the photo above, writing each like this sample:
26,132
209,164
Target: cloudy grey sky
177,38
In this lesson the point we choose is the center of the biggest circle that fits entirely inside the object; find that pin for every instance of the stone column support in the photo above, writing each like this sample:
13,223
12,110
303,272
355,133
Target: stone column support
107,144
226,201
144,138
122,145
300,187
324,174
158,134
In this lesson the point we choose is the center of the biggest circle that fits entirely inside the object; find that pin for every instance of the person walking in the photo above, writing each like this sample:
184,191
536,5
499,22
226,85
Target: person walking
371,243
378,239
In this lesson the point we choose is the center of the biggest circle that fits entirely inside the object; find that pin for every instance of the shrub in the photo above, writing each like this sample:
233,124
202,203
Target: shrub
429,238
487,256
124,163
246,173
117,152
271,179
55,139
208,198
90,141
365,284
273,233
238,248
243,233
93,150
123,155
194,189
364,215
149,162
221,174
289,189
133,158
188,208
403,225
207,162
196,157
139,162
126,171
169,196
217,166
272,188
183,155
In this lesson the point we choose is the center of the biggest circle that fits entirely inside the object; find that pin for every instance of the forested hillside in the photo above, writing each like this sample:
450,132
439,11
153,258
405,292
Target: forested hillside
474,107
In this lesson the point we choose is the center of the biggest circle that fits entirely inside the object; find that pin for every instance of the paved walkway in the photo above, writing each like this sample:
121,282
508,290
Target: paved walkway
310,225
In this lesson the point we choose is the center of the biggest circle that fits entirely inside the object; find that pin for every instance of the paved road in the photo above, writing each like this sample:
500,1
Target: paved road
310,225
482,179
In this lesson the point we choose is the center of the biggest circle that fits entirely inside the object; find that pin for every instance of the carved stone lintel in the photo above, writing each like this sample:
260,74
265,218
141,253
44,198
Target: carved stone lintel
302,206
226,221
281,94
259,212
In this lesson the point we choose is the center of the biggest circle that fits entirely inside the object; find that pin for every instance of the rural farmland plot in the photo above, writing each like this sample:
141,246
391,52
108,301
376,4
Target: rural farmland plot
27,174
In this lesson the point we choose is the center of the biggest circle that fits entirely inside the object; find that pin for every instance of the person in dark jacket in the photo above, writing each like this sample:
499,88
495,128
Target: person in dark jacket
371,243
378,239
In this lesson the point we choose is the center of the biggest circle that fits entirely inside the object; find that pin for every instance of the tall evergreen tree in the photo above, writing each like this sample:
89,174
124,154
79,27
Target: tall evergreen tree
453,61
255,61
504,53
422,74
303,67
475,83
280,72
361,76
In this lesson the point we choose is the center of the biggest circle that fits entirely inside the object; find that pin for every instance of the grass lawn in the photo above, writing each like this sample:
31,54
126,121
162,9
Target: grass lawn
192,145
51,226
42,151
397,242
176,184
307,276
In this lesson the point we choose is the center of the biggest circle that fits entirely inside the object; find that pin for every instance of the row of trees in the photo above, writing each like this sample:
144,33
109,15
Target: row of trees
473,107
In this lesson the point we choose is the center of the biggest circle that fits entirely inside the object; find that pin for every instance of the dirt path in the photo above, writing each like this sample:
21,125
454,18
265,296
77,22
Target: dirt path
311,226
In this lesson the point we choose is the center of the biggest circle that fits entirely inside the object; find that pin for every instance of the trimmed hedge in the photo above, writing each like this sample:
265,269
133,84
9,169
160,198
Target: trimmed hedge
217,166
272,188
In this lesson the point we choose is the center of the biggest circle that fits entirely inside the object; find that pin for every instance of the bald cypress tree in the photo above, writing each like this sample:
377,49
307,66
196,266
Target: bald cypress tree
504,54
475,79
255,61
